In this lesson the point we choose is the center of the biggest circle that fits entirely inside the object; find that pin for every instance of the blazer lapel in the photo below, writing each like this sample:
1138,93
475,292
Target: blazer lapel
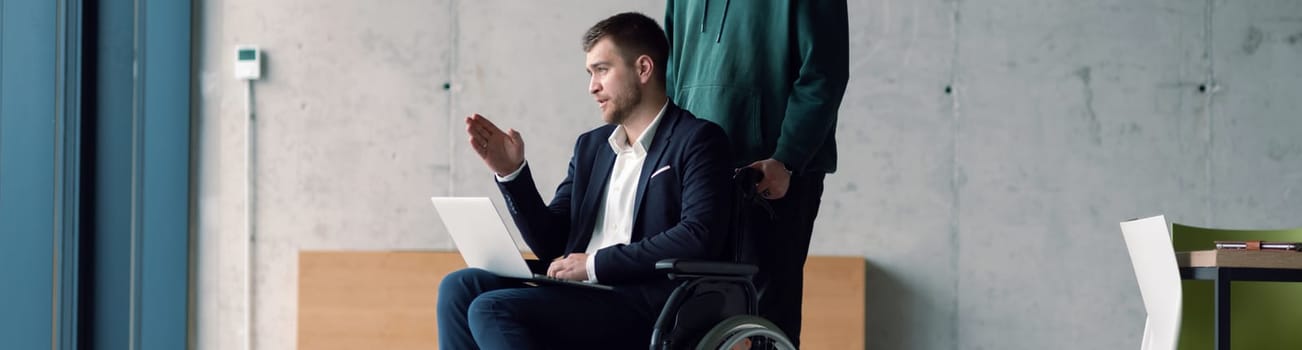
596,190
657,151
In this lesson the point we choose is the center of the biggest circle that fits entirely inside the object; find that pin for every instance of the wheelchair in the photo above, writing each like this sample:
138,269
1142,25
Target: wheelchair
716,306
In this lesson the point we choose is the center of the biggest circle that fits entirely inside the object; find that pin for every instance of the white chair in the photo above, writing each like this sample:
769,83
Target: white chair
1153,257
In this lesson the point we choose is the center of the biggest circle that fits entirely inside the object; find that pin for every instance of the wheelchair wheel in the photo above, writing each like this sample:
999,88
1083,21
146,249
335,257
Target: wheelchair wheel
744,332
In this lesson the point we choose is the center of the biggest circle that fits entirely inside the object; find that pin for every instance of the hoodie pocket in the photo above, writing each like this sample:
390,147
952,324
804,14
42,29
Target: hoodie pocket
734,108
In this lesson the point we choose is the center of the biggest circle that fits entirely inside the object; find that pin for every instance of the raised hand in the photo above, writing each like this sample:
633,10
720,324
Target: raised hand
503,152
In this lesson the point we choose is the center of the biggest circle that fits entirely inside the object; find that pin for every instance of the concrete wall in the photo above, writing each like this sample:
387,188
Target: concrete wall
988,214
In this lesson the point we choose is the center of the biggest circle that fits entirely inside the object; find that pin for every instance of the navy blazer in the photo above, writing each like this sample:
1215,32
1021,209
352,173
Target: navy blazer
681,212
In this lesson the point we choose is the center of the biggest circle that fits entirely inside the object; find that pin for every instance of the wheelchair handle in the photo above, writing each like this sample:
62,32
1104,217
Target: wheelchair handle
746,178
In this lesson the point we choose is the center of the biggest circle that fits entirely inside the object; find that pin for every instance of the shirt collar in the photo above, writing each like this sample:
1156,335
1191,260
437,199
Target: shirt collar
618,138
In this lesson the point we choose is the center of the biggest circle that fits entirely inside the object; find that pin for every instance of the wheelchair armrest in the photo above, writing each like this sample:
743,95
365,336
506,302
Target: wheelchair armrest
699,268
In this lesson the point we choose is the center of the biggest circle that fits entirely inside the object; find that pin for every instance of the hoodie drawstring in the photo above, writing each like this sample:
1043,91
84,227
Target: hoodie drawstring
719,38
705,15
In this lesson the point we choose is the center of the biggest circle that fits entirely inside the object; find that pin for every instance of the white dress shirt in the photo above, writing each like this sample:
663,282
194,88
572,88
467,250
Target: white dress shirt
614,223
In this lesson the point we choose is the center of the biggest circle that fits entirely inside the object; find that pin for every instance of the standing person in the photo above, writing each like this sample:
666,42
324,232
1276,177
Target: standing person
772,74
651,184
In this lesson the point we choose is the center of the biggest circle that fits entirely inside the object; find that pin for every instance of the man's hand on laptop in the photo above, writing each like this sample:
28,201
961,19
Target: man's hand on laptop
502,151
572,267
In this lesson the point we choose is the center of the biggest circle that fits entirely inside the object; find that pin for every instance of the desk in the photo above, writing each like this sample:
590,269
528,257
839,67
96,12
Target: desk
1222,276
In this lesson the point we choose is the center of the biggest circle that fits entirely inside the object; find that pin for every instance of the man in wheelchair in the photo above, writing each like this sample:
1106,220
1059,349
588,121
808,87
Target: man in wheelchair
651,185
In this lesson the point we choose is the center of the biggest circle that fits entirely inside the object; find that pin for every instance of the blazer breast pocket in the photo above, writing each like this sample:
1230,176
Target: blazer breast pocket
663,195
662,176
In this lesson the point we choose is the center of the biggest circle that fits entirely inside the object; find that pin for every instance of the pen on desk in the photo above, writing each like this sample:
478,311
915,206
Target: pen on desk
1258,245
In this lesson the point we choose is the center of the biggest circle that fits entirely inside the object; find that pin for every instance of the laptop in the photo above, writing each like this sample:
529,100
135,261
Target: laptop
484,242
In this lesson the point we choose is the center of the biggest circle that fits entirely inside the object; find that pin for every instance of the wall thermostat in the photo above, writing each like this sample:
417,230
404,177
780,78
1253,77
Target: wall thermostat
248,62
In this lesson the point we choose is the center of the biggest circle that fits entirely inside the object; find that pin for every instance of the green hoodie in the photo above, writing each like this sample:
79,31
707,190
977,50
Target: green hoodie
770,72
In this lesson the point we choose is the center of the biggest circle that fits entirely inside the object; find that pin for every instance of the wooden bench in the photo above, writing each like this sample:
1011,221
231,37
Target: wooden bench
387,300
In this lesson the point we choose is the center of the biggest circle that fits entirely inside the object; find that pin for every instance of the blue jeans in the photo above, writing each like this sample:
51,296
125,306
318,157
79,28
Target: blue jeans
479,310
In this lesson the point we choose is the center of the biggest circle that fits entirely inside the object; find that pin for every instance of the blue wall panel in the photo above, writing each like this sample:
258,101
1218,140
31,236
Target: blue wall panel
133,229
110,276
142,175
27,114
165,147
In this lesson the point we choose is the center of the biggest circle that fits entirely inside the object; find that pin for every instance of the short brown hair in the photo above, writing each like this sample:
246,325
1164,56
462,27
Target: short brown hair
634,34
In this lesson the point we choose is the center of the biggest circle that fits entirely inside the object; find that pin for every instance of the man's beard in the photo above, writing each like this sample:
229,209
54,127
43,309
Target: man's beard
622,106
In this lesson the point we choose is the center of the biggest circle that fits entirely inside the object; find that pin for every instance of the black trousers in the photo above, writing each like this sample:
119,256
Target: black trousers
780,247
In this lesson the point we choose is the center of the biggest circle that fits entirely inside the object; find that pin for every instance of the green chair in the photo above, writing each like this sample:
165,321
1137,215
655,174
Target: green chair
1264,315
